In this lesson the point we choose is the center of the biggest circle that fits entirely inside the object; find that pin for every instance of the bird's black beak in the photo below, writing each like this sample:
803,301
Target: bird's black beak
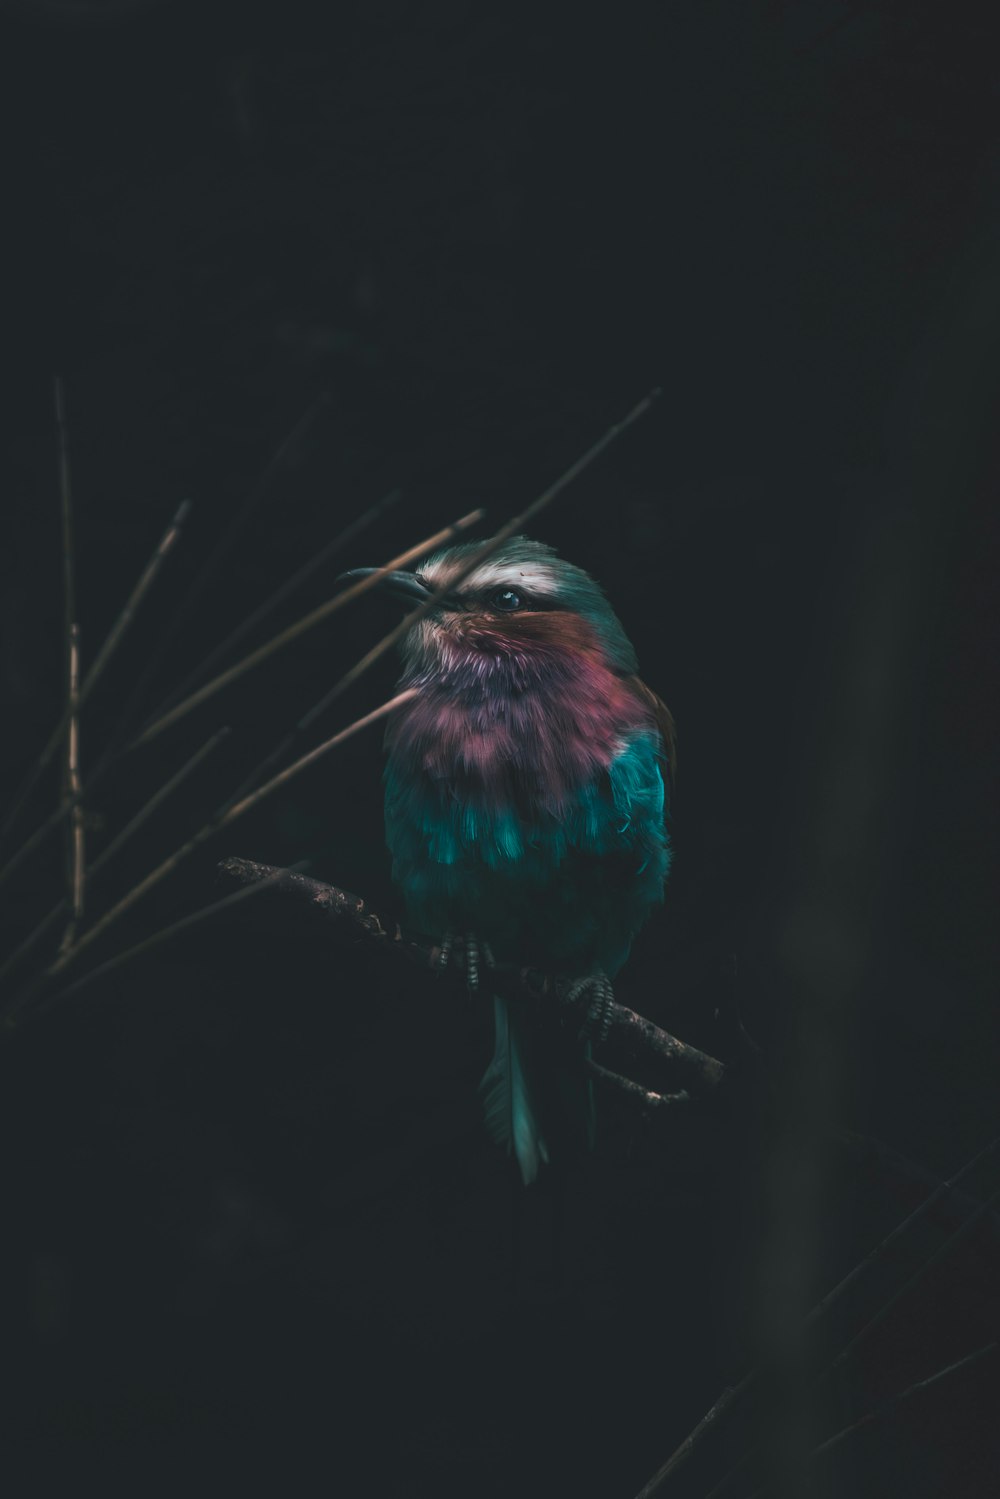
406,586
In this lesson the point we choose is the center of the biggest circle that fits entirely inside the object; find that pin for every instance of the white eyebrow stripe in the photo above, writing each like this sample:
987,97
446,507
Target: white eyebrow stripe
531,578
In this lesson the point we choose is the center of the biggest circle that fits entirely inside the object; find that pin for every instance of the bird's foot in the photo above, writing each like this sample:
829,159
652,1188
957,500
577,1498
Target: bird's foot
591,998
464,949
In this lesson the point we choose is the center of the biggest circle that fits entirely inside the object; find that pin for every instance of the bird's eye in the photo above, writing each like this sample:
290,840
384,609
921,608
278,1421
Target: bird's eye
505,599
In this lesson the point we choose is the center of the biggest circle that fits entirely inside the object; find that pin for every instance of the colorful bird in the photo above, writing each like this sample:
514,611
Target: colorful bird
525,795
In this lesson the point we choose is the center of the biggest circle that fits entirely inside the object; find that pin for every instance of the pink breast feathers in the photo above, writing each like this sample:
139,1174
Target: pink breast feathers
534,712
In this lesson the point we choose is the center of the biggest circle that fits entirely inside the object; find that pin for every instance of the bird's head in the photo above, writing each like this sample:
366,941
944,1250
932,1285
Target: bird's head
521,603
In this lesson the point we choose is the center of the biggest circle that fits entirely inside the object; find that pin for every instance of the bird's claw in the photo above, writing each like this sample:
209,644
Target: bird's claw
473,953
445,950
598,997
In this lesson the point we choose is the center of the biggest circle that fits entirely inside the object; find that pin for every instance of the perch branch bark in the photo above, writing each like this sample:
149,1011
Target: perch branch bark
628,1031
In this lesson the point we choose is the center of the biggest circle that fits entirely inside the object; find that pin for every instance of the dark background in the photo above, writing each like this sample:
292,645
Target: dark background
254,1230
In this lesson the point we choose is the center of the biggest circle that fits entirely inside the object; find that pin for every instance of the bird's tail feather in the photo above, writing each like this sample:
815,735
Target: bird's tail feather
510,1109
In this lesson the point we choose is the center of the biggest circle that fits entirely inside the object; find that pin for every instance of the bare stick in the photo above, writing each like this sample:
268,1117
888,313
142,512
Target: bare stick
920,1211
238,809
723,1406
146,579
708,1423
543,992
116,745
34,937
111,643
71,712
206,913
226,814
482,554
947,1248
151,805
307,622
256,616
256,495
29,845
76,860
894,1402
890,1405
157,799
66,511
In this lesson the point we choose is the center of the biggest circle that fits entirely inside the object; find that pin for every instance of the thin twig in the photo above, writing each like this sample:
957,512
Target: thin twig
76,849
734,1393
66,513
290,586
65,503
29,845
111,643
931,1263
893,1403
117,743
226,814
254,498
145,582
245,805
307,622
154,802
945,1189
71,712
196,918
97,868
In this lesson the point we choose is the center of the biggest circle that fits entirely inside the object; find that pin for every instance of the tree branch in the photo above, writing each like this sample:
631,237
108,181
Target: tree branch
627,1031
